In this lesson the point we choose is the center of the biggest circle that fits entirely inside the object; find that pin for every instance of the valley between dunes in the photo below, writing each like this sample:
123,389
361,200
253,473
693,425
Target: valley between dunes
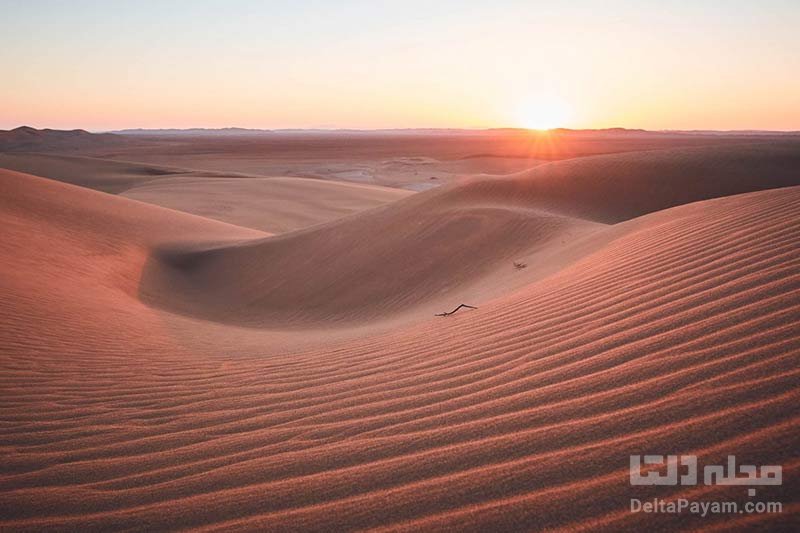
188,348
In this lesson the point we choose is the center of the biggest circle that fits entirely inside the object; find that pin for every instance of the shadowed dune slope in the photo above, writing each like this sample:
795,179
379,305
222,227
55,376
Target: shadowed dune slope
616,187
676,336
412,256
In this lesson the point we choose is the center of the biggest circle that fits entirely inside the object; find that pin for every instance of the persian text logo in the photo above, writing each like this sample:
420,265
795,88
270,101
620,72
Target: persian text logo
683,470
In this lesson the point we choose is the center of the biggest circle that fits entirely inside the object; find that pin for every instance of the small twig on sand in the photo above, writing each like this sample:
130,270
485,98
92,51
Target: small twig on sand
519,265
456,309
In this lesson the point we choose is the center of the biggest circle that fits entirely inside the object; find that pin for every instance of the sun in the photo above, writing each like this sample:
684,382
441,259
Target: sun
544,113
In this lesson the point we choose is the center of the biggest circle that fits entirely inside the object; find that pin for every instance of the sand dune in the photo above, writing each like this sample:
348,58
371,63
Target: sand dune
673,332
413,256
274,205
73,258
99,174
456,244
616,187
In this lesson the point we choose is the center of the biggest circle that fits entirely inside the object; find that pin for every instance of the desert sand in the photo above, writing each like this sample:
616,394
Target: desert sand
189,345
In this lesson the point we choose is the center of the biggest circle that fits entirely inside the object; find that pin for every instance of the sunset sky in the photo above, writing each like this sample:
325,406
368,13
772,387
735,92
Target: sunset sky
653,64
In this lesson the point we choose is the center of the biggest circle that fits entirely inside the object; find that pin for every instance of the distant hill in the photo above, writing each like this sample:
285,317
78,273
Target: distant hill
27,139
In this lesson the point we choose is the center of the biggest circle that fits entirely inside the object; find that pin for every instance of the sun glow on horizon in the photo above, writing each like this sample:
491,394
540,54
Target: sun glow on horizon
544,113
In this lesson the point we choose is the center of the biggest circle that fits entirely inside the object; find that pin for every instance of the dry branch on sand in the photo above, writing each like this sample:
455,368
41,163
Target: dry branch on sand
456,309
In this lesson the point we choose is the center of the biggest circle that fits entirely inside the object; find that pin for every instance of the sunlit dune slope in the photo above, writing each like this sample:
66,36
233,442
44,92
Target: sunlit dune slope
677,334
274,205
73,260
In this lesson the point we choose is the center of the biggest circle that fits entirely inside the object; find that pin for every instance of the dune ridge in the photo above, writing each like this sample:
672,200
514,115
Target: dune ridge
673,332
613,188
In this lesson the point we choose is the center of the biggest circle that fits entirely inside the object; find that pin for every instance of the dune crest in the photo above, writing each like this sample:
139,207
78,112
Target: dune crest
617,187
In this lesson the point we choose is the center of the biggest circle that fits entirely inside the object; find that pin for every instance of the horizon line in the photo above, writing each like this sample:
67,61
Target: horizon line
411,129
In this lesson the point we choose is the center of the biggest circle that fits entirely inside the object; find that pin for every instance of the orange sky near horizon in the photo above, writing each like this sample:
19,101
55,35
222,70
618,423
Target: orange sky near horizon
584,64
